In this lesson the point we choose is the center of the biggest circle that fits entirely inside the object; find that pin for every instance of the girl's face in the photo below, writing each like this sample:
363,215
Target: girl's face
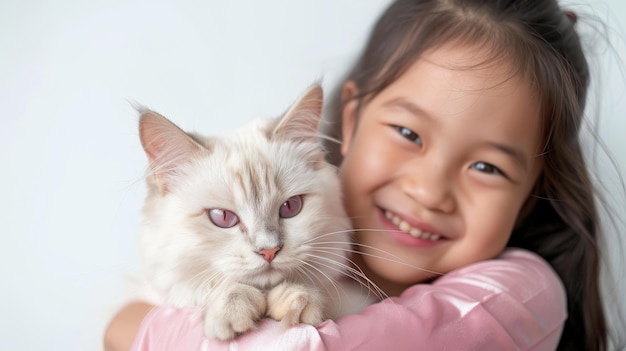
438,166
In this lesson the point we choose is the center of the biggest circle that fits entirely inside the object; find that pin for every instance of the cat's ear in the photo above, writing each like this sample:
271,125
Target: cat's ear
167,147
302,119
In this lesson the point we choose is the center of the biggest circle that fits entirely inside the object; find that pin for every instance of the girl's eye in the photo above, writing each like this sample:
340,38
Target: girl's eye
291,207
487,168
223,218
409,134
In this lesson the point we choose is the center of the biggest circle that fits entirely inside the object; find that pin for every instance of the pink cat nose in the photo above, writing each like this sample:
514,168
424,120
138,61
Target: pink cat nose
269,254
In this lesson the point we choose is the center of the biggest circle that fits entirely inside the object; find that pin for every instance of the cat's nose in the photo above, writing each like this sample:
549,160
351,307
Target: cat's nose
269,254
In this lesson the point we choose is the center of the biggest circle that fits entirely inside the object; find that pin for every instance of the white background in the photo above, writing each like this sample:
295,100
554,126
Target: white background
71,165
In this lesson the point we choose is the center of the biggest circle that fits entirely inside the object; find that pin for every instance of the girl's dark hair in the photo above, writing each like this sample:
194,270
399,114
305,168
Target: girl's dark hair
538,41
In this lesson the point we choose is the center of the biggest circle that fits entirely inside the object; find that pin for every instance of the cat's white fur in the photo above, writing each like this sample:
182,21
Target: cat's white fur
189,261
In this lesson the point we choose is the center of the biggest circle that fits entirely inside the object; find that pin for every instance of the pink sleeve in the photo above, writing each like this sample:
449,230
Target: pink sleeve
515,302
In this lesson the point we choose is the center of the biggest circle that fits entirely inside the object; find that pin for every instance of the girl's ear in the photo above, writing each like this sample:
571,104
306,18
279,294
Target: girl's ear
349,114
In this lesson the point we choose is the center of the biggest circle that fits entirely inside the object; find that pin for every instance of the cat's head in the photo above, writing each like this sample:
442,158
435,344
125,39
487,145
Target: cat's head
255,205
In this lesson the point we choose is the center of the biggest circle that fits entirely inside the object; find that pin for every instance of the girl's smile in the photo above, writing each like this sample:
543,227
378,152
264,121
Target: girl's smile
407,232
438,165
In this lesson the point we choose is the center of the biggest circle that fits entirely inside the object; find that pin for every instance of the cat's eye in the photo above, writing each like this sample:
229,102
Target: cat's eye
222,218
409,134
291,207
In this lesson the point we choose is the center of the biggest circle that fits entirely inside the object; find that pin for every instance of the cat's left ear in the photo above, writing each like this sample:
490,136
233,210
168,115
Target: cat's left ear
302,119
167,146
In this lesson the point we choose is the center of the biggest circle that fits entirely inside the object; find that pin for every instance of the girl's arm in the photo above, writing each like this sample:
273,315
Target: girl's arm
122,329
515,302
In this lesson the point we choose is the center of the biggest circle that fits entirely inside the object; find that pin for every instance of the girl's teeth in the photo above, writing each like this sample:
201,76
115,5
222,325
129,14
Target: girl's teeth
416,233
395,220
405,227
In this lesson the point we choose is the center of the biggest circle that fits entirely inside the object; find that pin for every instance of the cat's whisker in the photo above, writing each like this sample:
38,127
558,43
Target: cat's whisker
200,275
358,273
315,280
325,251
216,278
324,274
393,257
303,270
315,239
332,265
207,280
352,273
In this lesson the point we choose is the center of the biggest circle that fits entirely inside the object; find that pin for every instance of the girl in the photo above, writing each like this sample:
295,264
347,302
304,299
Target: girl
460,155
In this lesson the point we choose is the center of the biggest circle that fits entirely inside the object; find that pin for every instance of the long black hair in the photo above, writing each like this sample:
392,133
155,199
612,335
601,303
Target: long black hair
538,40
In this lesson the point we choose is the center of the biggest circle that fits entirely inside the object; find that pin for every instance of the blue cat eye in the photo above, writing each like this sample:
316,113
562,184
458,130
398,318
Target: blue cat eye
291,207
222,218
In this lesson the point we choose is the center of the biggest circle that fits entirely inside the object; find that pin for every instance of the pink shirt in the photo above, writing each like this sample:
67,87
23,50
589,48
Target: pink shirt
514,302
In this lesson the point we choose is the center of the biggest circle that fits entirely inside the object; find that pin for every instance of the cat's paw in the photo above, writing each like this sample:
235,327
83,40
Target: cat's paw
235,312
293,303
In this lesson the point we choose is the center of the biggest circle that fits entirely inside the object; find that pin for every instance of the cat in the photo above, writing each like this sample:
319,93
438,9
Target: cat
247,224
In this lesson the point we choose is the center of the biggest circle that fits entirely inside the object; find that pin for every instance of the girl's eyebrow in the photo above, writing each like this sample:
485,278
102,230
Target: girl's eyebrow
515,153
408,106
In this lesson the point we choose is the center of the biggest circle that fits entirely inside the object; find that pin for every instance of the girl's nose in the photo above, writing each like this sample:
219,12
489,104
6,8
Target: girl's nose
431,187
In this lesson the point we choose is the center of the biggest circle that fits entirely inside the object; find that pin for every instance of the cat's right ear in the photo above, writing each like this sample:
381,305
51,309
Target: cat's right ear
167,146
301,121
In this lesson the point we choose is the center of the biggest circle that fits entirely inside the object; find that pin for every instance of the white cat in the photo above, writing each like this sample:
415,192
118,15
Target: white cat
245,225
